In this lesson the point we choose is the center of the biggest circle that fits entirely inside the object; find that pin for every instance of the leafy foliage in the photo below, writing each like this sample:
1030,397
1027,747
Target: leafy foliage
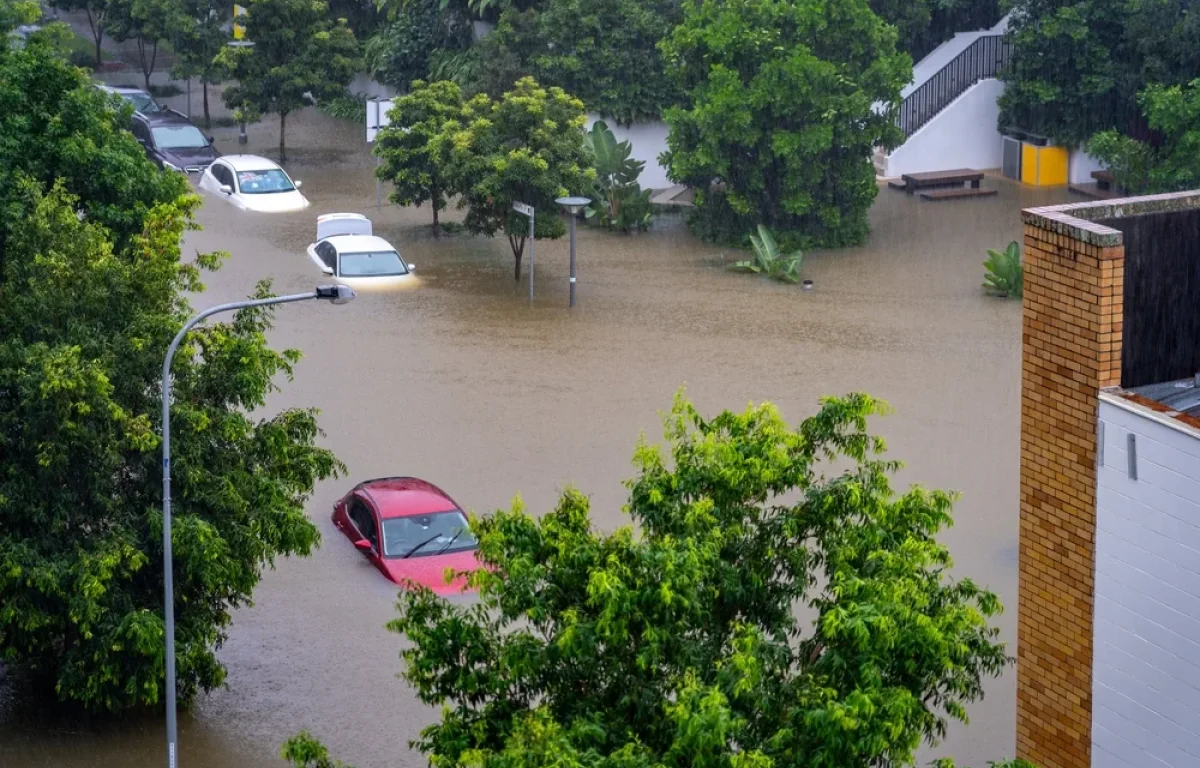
781,126
198,33
303,751
603,51
147,22
1140,167
297,52
403,50
924,24
1005,276
14,13
346,106
769,260
416,164
91,291
525,147
680,644
621,202
97,16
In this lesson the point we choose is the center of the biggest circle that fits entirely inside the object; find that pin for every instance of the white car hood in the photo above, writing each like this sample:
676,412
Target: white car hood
275,202
378,284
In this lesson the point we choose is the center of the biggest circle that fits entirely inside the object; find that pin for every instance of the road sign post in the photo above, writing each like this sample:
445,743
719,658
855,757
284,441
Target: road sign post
527,210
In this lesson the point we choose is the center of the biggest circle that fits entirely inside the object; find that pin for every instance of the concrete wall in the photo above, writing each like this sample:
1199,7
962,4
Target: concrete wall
945,53
963,135
1081,166
1146,690
649,140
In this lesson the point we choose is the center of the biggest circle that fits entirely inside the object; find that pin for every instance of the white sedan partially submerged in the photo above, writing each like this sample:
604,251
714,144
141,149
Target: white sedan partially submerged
347,249
253,183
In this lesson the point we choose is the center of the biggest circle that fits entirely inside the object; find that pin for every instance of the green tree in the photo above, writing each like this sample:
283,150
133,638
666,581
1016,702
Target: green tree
56,127
14,13
773,603
298,54
923,25
198,35
412,160
1171,166
1073,71
88,305
402,51
620,202
788,99
146,22
97,16
589,48
525,147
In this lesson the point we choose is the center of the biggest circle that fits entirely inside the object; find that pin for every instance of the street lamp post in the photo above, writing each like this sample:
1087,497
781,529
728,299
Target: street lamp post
335,294
573,205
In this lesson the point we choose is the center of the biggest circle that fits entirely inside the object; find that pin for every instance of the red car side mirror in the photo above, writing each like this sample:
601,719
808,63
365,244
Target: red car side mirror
362,545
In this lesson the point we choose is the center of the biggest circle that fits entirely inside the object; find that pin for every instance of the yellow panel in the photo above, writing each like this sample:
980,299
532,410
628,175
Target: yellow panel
239,32
1029,164
1052,166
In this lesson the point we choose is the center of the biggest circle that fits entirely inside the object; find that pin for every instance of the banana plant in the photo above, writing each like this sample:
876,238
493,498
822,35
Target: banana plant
768,260
1004,276
620,202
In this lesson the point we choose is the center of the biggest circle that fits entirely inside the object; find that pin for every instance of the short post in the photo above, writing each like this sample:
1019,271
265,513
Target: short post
573,205
378,183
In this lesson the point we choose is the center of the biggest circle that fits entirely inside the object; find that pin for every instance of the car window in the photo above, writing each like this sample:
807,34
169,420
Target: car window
327,254
222,174
432,534
139,131
372,264
364,520
178,137
263,182
143,102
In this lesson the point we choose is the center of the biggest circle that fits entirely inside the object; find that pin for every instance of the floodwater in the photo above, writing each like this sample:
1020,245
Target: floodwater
464,382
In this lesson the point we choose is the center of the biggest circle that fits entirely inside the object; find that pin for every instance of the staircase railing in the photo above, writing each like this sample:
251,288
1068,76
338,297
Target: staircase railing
981,60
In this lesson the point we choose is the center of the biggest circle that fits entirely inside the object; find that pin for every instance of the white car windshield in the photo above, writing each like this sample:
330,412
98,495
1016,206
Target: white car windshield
372,264
421,535
178,137
263,182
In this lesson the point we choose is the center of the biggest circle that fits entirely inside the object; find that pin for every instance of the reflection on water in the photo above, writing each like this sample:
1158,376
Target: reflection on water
463,382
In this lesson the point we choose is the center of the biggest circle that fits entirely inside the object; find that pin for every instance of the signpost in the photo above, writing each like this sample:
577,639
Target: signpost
527,210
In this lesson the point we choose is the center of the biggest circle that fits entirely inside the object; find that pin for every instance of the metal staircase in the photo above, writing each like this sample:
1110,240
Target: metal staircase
982,59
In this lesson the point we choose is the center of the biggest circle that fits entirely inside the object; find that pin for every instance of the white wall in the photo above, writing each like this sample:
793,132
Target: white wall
945,53
648,140
963,135
1146,674
1080,167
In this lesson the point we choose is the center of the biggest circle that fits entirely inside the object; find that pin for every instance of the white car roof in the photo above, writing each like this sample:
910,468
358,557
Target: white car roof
358,243
249,163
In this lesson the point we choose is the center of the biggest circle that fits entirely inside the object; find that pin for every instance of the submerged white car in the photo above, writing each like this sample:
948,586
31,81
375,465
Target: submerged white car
253,183
347,250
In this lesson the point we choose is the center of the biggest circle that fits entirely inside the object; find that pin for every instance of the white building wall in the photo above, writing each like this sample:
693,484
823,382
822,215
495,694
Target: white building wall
1146,673
963,135
1080,167
648,140
945,53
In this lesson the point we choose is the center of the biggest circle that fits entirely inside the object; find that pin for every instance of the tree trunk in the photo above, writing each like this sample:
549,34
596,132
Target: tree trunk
437,228
282,130
518,248
207,119
97,35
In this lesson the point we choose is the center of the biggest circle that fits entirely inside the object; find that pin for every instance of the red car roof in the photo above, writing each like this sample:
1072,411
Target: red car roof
406,496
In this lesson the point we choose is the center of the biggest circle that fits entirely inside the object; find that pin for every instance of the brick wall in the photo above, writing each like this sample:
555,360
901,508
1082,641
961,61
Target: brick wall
1071,349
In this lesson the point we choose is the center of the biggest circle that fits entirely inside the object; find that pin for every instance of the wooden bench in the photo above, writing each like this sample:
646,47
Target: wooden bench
916,181
897,184
950,194
1104,179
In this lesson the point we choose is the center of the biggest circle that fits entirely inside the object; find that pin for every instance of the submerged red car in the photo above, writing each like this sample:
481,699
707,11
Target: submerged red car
410,529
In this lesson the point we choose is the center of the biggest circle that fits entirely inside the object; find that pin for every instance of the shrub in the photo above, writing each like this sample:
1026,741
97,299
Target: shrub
769,260
1005,276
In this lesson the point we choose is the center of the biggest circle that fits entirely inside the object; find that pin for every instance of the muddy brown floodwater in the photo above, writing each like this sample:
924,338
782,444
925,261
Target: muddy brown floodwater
463,382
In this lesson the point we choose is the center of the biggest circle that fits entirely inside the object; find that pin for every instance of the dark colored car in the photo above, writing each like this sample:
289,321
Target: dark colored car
173,142
410,530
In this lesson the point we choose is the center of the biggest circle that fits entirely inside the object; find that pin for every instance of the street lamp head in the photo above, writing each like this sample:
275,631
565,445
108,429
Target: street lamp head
335,294
574,204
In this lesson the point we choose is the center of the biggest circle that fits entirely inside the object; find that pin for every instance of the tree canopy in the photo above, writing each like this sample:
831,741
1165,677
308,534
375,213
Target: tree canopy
788,100
768,609
92,290
298,53
1171,164
417,166
526,146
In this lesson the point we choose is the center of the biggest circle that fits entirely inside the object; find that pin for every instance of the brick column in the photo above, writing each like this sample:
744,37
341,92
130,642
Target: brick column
1071,327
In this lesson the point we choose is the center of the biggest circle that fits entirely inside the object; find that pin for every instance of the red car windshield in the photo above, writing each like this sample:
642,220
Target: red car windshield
424,535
